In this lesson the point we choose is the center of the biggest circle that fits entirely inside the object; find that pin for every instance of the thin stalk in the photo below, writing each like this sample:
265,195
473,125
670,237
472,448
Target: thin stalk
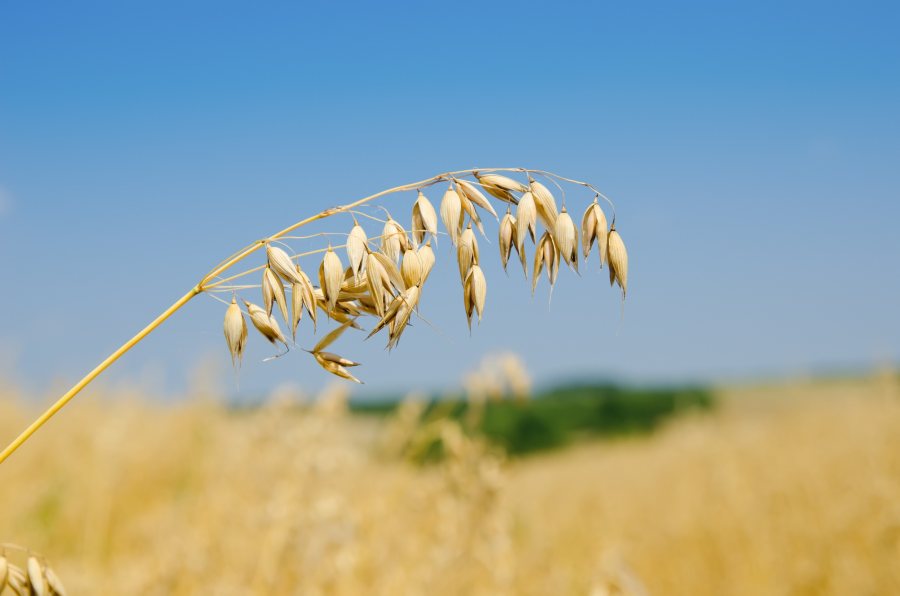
67,397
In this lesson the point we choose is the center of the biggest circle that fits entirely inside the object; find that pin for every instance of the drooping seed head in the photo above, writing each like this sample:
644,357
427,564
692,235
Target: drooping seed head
426,257
474,293
618,261
468,208
264,323
451,213
467,252
411,269
566,237
545,203
273,292
409,299
357,247
17,580
500,186
424,219
546,256
526,220
331,274
4,571
305,289
393,239
36,577
594,227
55,584
281,264
377,280
235,332
471,192
336,369
507,237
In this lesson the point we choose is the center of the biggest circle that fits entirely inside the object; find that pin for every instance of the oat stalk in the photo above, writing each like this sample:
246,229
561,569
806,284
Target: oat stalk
396,304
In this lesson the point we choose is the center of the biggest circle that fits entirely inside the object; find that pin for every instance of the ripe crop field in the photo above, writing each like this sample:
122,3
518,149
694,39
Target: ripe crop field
792,488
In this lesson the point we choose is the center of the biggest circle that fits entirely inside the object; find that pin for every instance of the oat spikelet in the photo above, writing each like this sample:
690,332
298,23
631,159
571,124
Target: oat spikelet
426,257
411,269
54,583
4,571
594,227
393,239
474,293
393,273
409,299
17,580
451,213
545,203
357,247
566,237
507,237
469,208
526,220
377,280
466,252
500,186
424,219
545,256
618,261
281,264
331,274
265,323
273,292
36,577
397,314
471,192
335,368
235,332
303,290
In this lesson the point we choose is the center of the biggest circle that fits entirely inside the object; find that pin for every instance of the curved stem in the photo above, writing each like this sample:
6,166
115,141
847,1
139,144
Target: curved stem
221,268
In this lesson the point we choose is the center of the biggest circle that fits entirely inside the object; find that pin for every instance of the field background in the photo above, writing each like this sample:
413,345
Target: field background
787,488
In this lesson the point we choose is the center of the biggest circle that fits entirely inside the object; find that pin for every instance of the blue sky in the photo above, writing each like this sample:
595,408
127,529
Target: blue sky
751,149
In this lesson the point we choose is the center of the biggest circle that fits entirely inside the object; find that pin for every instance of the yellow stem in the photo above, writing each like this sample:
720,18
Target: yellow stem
62,401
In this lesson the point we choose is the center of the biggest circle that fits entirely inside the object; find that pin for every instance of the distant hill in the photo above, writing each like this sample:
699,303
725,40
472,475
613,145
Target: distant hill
561,415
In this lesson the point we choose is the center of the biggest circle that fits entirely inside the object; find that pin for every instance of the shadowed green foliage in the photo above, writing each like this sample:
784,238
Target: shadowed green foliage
561,415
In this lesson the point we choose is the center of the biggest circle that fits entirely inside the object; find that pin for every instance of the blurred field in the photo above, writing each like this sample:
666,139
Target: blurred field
787,489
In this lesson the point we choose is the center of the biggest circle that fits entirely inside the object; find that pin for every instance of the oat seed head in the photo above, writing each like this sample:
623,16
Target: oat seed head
426,256
357,247
424,219
281,263
618,261
474,195
411,269
526,220
451,213
331,274
235,332
36,577
566,237
500,186
545,203
265,323
273,292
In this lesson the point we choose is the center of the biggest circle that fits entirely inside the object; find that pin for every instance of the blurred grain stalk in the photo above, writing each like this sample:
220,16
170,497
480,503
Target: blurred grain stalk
788,489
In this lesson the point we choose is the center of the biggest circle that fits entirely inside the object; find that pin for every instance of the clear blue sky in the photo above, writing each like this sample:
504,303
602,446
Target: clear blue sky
752,149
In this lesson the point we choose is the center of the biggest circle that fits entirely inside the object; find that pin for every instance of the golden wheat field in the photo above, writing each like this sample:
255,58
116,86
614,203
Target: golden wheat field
792,488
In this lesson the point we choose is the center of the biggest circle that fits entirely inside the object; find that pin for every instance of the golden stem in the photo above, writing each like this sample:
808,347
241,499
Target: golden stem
62,401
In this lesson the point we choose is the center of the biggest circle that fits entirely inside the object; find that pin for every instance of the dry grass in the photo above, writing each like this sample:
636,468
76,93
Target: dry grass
792,489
